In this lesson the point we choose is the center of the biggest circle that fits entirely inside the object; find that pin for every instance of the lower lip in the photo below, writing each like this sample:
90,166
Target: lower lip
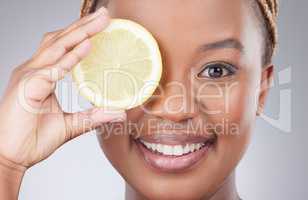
165,163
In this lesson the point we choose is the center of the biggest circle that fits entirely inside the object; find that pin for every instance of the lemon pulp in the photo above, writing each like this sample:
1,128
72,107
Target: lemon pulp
123,68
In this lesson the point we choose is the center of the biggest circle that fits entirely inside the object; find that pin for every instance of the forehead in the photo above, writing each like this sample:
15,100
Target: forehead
181,14
191,23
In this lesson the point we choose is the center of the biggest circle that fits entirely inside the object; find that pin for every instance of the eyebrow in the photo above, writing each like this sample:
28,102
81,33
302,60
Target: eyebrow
230,43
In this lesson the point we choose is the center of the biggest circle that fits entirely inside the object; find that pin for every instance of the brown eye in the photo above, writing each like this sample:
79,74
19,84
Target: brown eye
217,70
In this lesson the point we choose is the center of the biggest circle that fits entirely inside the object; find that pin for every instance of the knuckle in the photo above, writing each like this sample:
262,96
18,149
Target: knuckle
82,33
58,47
18,72
15,71
75,56
85,33
49,35
46,37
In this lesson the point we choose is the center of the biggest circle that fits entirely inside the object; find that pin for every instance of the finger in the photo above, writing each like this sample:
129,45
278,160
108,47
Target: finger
57,72
84,20
51,36
48,37
67,42
73,57
37,85
82,122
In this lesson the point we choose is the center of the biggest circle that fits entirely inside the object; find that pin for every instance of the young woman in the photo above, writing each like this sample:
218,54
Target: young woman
187,140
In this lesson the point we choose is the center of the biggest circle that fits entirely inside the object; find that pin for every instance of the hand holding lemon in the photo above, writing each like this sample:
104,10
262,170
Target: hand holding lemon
30,131
116,64
117,67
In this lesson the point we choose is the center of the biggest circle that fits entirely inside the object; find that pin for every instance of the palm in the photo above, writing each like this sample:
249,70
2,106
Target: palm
50,132
34,136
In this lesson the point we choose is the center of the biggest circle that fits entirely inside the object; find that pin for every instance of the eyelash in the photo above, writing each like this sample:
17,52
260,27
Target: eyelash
231,70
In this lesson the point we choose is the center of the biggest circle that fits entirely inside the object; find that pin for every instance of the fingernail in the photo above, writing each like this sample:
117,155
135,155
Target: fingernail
97,13
100,115
102,10
119,116
118,120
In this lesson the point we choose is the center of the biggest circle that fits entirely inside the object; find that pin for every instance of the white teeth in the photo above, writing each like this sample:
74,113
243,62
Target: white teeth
148,145
192,147
167,150
159,148
186,149
153,146
176,150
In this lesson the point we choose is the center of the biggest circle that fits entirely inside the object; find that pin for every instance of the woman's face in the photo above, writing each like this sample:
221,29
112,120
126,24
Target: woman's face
206,103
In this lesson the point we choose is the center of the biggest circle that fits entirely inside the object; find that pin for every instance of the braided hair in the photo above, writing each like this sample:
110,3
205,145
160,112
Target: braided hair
269,11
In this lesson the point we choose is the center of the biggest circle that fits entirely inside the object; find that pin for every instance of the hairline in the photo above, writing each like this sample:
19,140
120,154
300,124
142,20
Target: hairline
263,26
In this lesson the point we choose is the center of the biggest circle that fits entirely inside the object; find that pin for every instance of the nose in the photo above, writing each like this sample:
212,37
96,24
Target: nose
173,99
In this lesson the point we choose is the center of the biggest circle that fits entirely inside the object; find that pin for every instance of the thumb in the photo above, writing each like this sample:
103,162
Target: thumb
82,122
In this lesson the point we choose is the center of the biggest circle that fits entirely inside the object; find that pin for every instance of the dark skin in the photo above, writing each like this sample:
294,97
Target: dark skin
191,35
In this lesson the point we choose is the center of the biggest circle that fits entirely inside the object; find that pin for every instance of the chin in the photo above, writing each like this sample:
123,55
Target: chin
152,172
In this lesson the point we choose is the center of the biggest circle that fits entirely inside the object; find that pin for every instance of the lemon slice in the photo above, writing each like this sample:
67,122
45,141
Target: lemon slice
123,68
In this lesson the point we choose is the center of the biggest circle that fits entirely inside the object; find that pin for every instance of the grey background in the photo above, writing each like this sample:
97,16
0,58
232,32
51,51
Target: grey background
275,166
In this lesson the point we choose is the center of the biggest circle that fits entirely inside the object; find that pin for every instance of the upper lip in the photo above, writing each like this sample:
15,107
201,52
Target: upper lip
176,137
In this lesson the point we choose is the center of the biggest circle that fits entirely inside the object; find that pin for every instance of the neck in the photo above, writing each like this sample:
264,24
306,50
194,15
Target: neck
227,191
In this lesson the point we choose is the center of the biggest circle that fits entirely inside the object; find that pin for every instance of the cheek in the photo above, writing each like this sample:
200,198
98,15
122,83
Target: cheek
230,102
233,121
242,105
225,101
114,141
231,112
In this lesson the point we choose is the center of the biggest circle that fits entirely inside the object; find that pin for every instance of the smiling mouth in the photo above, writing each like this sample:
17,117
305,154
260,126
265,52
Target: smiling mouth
174,152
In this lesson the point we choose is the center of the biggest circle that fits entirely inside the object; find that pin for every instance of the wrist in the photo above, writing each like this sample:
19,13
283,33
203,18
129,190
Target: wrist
11,175
10,168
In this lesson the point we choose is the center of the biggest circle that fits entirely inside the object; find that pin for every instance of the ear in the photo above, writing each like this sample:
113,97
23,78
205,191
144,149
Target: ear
265,84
